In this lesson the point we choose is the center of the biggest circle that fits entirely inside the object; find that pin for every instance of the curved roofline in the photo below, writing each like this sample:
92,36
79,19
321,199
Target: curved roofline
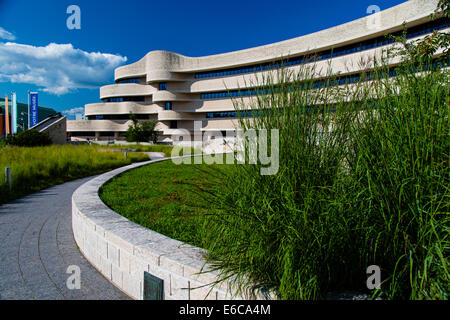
413,12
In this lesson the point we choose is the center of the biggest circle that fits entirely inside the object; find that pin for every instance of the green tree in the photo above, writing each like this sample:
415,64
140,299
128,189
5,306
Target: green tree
423,50
29,138
141,131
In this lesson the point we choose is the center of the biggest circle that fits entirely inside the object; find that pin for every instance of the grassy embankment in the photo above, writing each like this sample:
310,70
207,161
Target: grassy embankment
167,150
38,168
164,197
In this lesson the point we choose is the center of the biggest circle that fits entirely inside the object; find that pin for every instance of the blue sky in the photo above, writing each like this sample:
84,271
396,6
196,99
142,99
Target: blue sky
39,53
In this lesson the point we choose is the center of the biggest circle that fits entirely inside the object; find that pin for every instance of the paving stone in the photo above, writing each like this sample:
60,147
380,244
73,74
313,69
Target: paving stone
37,246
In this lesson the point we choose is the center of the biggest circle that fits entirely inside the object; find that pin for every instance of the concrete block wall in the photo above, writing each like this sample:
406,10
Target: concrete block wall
57,131
122,250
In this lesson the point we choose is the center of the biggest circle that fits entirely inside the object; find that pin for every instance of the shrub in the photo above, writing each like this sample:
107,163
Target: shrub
141,131
29,138
397,192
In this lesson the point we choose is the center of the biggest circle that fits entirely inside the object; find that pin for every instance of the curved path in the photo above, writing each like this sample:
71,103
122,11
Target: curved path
37,247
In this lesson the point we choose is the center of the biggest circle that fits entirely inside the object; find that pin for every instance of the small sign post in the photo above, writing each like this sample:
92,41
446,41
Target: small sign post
8,177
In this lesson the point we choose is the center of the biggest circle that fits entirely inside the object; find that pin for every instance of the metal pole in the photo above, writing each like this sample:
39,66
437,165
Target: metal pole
13,113
126,154
28,110
8,177
8,128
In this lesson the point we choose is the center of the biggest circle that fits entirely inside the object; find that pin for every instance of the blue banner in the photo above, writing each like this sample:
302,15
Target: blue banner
33,109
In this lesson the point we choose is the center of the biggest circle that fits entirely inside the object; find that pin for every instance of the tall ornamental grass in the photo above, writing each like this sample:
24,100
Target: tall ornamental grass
37,168
397,192
363,180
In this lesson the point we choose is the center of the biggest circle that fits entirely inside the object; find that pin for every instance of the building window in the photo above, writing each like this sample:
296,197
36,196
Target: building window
168,105
82,134
231,114
316,84
107,134
174,124
130,80
118,117
163,86
124,99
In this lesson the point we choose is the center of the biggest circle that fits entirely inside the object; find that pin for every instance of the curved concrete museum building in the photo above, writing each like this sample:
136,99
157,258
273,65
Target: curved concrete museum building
177,90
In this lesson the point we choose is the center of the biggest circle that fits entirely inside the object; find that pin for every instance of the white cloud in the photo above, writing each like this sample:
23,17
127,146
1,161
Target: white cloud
73,111
6,35
56,68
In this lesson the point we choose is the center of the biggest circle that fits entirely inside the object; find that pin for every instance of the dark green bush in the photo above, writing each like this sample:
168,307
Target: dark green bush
141,131
29,138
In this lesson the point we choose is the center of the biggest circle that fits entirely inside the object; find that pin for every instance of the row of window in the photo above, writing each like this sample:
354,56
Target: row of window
124,99
130,80
82,134
117,117
106,133
327,54
91,134
167,105
230,114
256,113
349,79
314,85
162,85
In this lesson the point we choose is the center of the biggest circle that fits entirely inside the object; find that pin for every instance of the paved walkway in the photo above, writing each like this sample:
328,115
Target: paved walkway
37,247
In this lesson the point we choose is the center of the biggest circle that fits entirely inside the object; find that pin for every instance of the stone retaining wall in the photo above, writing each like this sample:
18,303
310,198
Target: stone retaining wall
122,250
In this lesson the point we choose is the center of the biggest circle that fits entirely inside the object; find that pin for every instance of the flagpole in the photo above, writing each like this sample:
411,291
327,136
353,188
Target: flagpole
7,115
13,113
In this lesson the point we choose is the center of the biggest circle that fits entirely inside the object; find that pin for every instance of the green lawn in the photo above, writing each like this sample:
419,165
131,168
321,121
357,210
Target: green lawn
164,197
140,148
